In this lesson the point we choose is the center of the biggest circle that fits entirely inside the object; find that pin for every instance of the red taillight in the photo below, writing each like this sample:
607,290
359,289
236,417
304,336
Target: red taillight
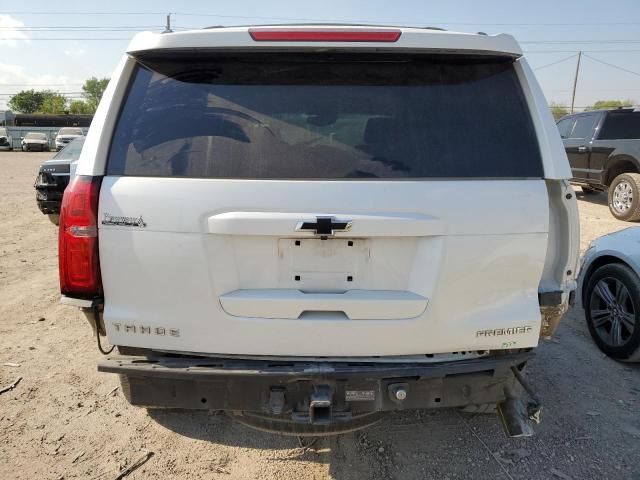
78,260
323,35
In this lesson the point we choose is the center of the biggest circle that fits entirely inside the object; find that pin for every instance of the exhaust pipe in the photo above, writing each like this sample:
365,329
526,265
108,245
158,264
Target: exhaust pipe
514,418
516,415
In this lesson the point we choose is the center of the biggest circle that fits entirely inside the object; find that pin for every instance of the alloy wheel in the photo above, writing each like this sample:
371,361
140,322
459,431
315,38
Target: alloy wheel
612,312
622,197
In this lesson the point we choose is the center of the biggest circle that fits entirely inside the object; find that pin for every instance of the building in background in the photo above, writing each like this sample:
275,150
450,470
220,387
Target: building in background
18,124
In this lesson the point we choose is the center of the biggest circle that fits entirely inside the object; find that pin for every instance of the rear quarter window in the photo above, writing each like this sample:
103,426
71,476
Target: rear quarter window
292,116
565,126
618,126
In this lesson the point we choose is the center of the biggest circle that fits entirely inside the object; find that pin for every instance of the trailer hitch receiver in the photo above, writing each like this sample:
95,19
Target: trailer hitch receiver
320,405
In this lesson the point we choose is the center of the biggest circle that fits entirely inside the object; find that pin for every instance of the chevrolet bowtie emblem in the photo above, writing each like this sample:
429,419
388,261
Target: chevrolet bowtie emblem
325,226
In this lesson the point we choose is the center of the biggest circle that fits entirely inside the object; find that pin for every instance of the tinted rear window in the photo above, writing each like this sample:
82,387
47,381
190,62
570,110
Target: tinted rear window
621,125
70,131
324,117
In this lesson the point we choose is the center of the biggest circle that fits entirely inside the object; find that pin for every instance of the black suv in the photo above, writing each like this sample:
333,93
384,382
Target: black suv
604,152
53,177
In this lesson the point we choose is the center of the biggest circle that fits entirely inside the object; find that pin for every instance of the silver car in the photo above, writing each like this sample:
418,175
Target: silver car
35,141
609,284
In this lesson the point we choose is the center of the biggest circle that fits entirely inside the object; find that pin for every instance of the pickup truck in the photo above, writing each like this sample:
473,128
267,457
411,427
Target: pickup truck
603,148
309,226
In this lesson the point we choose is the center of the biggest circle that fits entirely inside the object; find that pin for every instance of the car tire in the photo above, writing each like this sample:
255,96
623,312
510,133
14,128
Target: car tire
612,311
589,190
624,197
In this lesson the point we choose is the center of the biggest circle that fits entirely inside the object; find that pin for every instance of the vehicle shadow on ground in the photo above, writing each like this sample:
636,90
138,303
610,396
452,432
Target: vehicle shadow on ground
599,198
412,443
579,414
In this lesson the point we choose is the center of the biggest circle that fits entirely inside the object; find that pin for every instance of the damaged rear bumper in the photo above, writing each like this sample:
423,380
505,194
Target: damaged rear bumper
313,392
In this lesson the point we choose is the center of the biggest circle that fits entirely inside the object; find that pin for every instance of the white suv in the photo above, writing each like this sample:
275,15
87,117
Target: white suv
308,226
66,135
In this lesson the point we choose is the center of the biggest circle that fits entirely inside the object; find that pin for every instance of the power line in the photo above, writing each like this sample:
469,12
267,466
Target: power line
578,24
64,38
65,94
39,84
554,63
59,12
301,19
613,66
576,42
576,51
563,24
596,90
134,28
79,27
35,30
57,93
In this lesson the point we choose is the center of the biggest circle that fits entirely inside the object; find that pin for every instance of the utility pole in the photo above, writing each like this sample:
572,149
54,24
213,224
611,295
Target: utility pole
167,28
575,81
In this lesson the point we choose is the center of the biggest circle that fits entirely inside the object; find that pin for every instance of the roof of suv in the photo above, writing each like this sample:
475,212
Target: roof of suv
604,110
409,38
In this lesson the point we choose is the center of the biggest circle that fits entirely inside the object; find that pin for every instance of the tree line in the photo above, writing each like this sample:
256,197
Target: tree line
559,110
52,102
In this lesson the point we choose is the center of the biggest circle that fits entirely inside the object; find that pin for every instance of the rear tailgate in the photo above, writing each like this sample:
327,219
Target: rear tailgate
321,204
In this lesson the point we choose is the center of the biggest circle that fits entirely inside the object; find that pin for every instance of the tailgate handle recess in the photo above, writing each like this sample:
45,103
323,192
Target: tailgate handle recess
293,304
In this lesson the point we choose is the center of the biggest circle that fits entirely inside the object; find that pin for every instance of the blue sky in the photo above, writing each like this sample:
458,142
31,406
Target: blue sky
59,44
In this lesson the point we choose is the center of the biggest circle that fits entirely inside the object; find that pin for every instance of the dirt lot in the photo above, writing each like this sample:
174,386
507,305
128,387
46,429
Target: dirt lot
61,421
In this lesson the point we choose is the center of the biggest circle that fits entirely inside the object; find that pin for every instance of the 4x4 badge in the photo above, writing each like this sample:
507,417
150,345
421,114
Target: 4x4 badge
108,219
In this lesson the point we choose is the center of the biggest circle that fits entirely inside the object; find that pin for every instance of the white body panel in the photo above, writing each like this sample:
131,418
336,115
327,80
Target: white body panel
186,274
436,262
411,38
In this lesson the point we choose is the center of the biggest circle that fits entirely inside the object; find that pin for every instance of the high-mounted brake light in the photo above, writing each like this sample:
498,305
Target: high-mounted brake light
323,35
78,260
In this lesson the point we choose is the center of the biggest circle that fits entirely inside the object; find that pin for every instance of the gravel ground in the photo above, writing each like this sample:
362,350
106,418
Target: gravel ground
63,420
